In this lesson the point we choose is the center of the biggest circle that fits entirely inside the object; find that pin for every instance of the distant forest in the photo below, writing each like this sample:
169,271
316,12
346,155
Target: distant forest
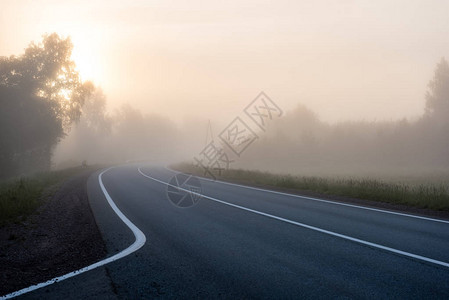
47,113
308,145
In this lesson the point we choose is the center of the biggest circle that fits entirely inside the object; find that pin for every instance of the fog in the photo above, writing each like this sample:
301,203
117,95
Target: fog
362,86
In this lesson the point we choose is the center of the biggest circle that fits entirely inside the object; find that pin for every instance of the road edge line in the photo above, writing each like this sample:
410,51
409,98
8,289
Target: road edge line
321,200
328,232
138,243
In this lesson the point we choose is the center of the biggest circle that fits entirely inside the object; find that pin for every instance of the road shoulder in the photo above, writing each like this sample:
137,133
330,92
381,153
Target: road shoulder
62,236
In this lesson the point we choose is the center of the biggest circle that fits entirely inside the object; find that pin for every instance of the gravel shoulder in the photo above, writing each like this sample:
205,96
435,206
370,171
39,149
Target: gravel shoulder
60,237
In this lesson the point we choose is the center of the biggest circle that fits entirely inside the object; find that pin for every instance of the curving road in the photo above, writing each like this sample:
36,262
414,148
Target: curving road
241,242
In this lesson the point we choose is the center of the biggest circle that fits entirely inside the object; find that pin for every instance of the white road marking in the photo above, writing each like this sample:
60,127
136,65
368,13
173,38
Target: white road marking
321,200
138,243
363,242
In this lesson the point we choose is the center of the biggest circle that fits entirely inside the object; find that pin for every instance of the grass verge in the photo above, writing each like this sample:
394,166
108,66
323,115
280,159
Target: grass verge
19,197
425,195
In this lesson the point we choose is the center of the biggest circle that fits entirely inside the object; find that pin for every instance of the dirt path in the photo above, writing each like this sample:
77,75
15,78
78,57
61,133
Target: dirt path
61,237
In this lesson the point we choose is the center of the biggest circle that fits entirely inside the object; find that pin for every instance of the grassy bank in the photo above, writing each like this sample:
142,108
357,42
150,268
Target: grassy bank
19,197
424,195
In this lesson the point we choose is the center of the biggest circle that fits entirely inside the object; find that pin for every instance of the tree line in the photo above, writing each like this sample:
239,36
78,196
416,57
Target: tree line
300,142
47,113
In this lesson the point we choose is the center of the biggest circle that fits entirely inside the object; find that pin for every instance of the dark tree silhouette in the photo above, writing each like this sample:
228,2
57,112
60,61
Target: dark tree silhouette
41,94
437,97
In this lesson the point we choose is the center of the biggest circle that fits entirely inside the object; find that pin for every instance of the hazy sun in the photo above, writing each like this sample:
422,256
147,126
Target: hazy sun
85,64
84,55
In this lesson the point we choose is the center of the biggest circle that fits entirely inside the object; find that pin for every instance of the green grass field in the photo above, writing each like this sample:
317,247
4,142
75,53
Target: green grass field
19,197
424,195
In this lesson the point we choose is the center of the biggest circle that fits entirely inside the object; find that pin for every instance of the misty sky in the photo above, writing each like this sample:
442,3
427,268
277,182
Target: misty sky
354,60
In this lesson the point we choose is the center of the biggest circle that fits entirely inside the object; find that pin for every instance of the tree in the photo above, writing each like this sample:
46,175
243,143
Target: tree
41,94
94,117
87,140
437,97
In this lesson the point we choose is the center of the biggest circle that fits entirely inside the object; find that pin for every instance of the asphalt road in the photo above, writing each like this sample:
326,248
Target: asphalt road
254,244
